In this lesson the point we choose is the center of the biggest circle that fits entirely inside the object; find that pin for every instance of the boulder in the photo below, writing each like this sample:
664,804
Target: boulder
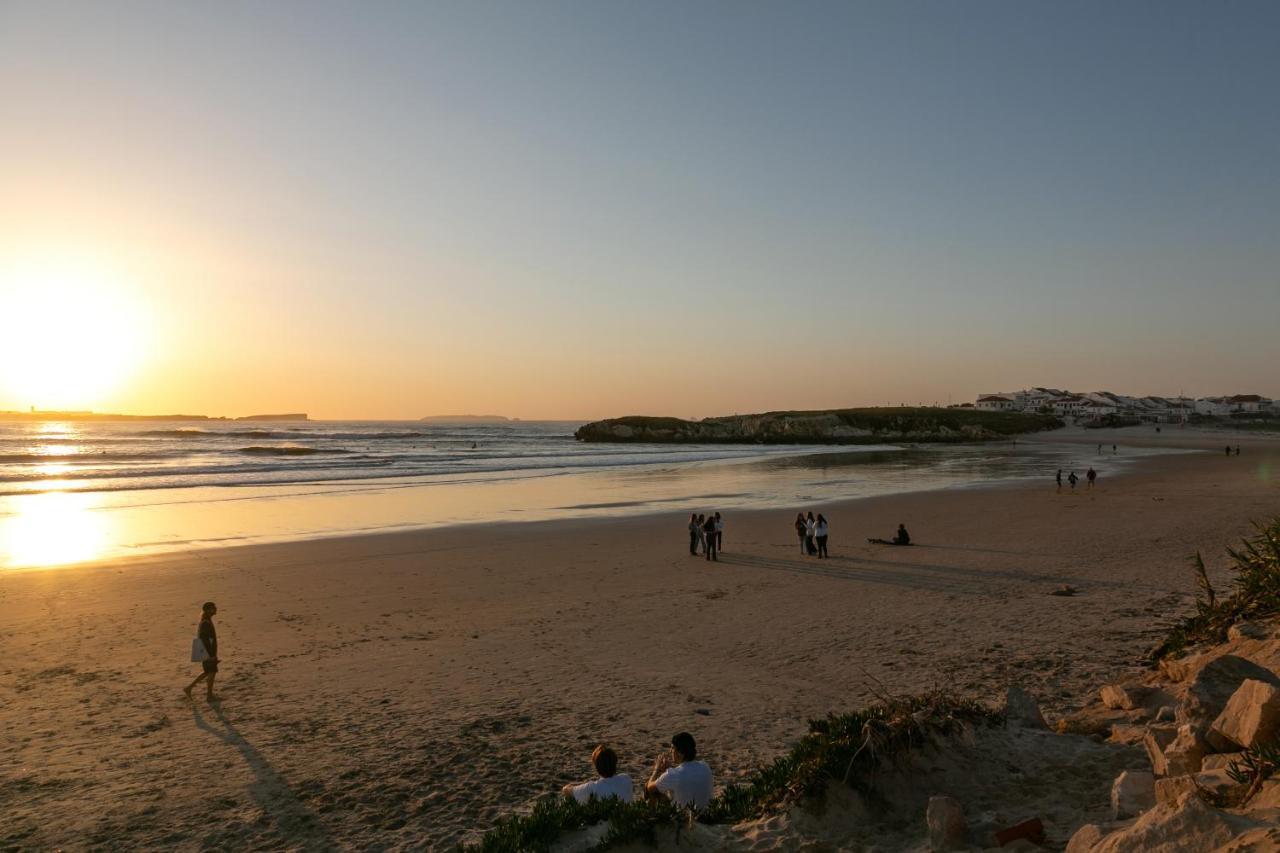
1156,739
1221,787
1088,836
1170,792
1248,631
1030,830
1133,792
1185,753
1021,710
947,826
1126,697
1190,827
1252,714
1220,760
1166,714
1267,798
1214,684
1127,733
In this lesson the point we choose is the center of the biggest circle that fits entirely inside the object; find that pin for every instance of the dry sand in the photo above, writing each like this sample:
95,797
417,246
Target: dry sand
407,690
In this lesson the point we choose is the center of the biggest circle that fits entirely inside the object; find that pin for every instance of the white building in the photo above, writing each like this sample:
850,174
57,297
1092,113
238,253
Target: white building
997,402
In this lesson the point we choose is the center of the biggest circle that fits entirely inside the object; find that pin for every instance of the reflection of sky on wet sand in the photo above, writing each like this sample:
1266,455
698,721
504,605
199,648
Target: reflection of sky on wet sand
58,528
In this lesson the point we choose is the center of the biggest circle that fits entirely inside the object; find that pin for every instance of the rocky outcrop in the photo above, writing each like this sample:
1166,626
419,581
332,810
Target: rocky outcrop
835,426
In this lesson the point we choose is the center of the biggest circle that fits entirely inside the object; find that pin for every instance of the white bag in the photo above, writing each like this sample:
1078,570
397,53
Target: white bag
198,651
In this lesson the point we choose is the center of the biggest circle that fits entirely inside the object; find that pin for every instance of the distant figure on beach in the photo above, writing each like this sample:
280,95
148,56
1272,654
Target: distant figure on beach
810,531
1073,479
820,535
709,537
680,776
800,528
902,537
206,641
1059,479
1113,450
1091,475
1099,449
702,532
610,784
1237,450
719,534
694,530
1228,450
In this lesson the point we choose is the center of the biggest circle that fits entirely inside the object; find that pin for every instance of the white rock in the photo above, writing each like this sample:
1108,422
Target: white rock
1191,827
947,827
1185,753
1125,697
1170,792
1252,714
1156,739
1133,792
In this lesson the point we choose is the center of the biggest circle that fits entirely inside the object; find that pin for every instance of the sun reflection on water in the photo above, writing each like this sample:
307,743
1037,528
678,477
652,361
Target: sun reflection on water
50,529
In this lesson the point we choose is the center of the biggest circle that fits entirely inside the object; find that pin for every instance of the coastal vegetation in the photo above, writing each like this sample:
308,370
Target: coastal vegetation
844,749
831,426
1256,593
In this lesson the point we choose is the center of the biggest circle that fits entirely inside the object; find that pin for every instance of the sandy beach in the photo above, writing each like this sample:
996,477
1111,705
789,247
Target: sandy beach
406,690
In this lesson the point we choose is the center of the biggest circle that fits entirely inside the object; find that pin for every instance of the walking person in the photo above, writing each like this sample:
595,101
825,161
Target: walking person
810,531
206,641
1073,479
719,534
1091,475
693,533
709,535
820,533
800,526
1059,478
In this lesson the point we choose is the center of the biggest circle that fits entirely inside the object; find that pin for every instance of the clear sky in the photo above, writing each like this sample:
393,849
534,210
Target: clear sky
589,209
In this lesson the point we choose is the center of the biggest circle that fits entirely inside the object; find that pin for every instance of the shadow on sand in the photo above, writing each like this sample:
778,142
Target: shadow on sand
290,818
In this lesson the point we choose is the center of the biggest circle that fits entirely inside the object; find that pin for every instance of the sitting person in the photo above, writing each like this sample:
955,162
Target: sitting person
610,784
902,537
680,776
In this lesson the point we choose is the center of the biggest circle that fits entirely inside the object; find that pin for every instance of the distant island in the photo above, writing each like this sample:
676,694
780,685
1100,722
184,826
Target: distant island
466,419
831,426
37,415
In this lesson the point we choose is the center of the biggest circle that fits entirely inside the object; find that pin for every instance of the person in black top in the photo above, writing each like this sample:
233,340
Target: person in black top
709,528
902,537
209,638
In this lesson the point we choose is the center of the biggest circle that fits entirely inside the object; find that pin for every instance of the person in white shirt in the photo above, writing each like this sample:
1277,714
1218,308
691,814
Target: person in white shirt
810,530
719,533
680,776
610,784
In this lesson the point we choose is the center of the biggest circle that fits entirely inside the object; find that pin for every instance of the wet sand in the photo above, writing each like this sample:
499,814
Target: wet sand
406,690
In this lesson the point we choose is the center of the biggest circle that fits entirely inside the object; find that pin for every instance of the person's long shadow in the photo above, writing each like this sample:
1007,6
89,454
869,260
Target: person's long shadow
292,819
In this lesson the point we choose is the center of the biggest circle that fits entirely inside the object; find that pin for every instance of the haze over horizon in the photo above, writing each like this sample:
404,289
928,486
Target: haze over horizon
576,211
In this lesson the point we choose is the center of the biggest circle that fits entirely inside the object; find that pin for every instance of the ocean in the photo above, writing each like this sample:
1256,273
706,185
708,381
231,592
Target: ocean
75,491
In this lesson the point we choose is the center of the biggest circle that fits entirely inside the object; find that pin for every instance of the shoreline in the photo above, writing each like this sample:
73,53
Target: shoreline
408,689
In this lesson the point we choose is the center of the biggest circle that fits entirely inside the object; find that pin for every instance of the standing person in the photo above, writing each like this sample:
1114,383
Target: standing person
693,533
1237,450
800,529
1073,479
1113,450
1228,450
810,530
1091,475
702,534
820,533
680,776
208,637
719,534
1059,478
1099,449
709,535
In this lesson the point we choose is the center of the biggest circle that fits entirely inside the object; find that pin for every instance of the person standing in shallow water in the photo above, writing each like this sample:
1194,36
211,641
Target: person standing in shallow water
208,637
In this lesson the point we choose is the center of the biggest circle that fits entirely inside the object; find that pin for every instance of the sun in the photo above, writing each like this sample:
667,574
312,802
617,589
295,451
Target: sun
71,332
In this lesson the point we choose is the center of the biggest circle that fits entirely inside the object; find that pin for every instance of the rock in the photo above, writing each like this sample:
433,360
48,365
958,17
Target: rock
1219,785
1064,590
1220,760
1021,710
1133,792
1169,792
1157,738
1185,753
947,827
1248,631
1191,827
1166,714
1031,830
1215,683
1085,838
1126,697
1268,797
1252,714
1127,733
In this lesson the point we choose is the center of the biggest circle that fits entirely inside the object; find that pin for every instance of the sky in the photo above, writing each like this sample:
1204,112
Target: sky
590,209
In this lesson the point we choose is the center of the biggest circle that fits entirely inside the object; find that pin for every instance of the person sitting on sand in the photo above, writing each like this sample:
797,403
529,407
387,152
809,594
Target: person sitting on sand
208,637
610,784
902,537
680,776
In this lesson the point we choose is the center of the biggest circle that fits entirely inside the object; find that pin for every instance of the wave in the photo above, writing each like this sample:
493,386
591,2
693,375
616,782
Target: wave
50,458
177,433
292,450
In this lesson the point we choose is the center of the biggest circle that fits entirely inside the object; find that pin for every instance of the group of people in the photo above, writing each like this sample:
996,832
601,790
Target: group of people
677,775
813,533
706,532
1091,476
1237,450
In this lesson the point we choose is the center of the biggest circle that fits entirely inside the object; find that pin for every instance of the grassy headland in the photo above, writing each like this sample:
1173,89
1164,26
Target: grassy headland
831,426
